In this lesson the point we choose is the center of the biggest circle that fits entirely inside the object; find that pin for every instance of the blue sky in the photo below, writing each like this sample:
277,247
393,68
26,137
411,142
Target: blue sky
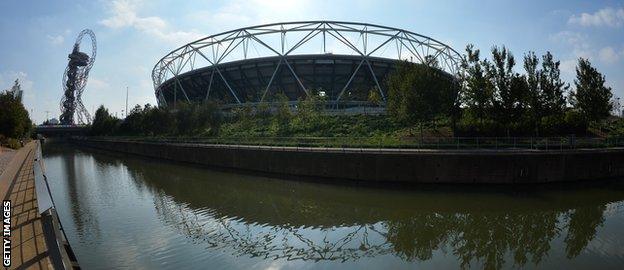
36,36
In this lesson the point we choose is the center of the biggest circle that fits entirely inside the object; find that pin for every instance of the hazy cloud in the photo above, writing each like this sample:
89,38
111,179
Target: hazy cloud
240,13
568,66
97,84
573,38
579,43
605,17
123,14
56,40
609,55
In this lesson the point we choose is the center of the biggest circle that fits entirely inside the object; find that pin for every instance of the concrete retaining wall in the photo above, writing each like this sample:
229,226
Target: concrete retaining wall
503,167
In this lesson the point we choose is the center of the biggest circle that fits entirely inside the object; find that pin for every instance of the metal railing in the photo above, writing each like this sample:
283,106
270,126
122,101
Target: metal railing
61,254
448,143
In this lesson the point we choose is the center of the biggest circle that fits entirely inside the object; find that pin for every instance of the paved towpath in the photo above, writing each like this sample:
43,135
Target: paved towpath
6,155
17,183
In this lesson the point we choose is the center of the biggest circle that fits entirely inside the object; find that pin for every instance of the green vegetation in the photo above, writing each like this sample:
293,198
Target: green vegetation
488,99
419,93
186,120
592,98
15,123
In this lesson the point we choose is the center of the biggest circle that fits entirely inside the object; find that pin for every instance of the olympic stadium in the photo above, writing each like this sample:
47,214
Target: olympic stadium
341,61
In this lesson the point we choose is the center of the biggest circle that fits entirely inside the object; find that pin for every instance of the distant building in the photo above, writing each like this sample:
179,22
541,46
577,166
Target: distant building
16,90
54,121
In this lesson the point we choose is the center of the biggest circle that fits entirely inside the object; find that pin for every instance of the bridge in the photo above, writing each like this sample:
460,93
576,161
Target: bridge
62,130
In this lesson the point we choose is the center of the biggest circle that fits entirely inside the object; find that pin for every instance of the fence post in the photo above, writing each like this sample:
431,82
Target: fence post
546,143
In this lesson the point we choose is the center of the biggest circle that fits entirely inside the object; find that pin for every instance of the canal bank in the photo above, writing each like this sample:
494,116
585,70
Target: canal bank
388,165
36,239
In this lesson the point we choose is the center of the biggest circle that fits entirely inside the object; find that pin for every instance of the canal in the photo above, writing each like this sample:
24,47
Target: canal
130,212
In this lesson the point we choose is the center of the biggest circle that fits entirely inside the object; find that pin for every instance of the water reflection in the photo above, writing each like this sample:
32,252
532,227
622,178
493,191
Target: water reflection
81,212
269,219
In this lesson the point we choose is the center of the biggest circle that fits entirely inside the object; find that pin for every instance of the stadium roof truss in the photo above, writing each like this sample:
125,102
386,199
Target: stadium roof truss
295,38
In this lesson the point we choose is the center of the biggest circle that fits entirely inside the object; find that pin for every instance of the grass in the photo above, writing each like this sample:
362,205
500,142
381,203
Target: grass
368,131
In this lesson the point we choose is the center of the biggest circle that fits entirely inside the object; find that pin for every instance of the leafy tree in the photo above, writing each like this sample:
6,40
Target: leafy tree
14,119
617,106
281,120
534,95
478,92
203,118
510,87
103,122
16,90
552,87
133,123
418,93
592,98
209,118
309,112
158,121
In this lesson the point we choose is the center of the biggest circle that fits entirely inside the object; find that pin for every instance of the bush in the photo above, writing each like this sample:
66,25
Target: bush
575,123
280,125
13,143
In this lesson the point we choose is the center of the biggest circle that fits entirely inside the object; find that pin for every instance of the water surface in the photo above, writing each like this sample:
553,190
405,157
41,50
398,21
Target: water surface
129,212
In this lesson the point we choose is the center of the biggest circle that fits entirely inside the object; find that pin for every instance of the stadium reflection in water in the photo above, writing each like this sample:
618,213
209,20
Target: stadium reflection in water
128,212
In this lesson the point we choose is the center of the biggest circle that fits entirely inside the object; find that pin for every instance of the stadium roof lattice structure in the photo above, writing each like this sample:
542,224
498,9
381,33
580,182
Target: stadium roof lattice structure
247,65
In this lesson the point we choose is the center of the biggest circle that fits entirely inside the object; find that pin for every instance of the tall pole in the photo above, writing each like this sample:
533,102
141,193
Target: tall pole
126,102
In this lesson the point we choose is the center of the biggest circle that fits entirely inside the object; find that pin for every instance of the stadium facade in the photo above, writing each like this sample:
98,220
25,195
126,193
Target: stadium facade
342,61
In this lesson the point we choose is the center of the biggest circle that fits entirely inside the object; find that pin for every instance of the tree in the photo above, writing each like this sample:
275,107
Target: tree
592,98
478,94
418,93
510,88
617,106
16,90
14,119
534,95
158,121
133,123
209,118
281,120
309,112
103,122
552,87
